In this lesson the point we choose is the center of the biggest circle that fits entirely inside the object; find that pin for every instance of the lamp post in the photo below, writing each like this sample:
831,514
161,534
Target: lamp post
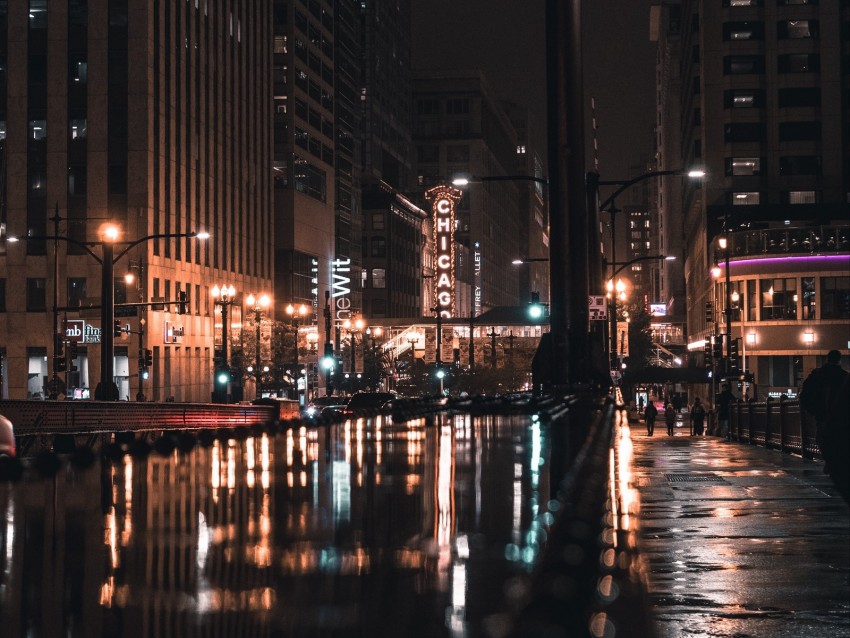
222,296
259,304
353,328
109,234
375,364
493,334
295,314
313,347
723,242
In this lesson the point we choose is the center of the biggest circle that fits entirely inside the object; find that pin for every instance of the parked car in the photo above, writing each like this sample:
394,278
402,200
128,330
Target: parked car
315,408
7,437
369,403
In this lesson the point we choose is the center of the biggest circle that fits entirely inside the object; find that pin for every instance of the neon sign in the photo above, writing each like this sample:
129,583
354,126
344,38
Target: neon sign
443,209
341,290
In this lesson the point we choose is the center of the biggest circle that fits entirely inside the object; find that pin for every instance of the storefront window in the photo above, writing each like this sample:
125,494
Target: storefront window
778,299
808,301
835,297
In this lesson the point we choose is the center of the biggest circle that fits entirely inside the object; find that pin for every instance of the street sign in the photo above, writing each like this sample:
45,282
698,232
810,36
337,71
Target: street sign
598,306
125,311
90,307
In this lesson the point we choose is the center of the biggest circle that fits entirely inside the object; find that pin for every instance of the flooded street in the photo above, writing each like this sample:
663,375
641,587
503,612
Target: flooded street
367,528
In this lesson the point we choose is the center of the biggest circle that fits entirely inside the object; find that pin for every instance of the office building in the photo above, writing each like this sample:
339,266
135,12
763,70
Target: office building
152,116
762,107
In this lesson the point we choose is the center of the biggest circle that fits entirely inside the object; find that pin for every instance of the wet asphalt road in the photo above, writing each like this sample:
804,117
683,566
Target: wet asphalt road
740,542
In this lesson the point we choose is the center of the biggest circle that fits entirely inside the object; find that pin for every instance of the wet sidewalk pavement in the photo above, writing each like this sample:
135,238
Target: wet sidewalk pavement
739,541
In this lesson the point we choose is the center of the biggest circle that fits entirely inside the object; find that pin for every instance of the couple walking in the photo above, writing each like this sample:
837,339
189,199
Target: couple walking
697,417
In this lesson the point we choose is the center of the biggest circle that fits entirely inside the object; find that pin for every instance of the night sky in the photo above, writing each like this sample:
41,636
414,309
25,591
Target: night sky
506,38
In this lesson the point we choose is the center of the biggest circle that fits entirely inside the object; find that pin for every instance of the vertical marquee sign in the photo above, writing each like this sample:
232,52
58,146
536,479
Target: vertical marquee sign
443,209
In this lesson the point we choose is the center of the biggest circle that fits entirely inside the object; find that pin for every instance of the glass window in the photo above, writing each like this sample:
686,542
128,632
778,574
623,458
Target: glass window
800,197
38,129
835,297
379,247
742,3
778,299
2,295
743,165
379,278
78,129
743,98
428,152
800,96
799,131
748,198
742,64
744,132
799,63
36,294
800,165
796,29
76,291
377,221
752,300
809,301
457,153
743,31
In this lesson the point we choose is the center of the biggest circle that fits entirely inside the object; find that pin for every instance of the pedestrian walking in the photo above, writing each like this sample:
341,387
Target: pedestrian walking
670,417
817,395
697,418
649,415
724,411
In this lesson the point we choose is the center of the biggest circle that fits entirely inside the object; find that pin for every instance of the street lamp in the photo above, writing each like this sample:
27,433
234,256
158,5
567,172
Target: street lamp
353,328
295,313
259,304
108,239
313,347
620,292
222,296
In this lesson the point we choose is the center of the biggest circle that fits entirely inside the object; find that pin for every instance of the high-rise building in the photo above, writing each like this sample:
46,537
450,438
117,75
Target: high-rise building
152,116
764,92
460,128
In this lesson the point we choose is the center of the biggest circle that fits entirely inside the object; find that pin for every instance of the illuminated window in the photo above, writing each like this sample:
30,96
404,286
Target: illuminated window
743,165
749,198
797,29
801,197
778,299
379,278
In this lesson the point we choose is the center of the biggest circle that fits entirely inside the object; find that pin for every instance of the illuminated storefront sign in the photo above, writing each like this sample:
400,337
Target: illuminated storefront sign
341,290
443,209
79,331
476,266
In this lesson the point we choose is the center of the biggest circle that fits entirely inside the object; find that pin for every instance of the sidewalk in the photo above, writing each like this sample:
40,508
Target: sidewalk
740,541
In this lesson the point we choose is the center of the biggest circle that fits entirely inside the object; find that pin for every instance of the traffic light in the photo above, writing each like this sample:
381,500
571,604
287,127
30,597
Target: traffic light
709,359
709,312
116,328
148,357
734,360
182,303
221,377
144,373
61,364
718,347
535,308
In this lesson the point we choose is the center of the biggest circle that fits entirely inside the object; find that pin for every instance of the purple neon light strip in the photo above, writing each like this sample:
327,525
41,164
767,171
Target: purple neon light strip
789,259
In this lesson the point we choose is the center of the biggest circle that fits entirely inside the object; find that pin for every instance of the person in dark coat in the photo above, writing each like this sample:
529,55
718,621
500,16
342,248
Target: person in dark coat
649,415
724,410
824,396
670,418
697,418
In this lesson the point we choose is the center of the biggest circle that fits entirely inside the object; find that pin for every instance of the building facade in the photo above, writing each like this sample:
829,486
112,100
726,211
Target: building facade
153,117
460,128
762,107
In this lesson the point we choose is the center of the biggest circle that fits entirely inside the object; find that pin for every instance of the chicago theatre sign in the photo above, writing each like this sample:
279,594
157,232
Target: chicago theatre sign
443,209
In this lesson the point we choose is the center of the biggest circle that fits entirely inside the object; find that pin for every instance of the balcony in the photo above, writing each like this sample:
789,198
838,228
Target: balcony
790,241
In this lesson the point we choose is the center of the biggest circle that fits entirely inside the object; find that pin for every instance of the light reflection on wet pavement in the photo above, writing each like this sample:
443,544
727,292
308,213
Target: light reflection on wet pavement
366,528
740,541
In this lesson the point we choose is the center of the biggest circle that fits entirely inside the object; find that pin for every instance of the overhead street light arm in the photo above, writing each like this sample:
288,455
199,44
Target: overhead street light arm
625,265
625,184
128,246
463,181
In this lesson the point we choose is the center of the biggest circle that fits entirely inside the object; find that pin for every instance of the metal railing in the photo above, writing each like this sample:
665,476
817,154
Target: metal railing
777,424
